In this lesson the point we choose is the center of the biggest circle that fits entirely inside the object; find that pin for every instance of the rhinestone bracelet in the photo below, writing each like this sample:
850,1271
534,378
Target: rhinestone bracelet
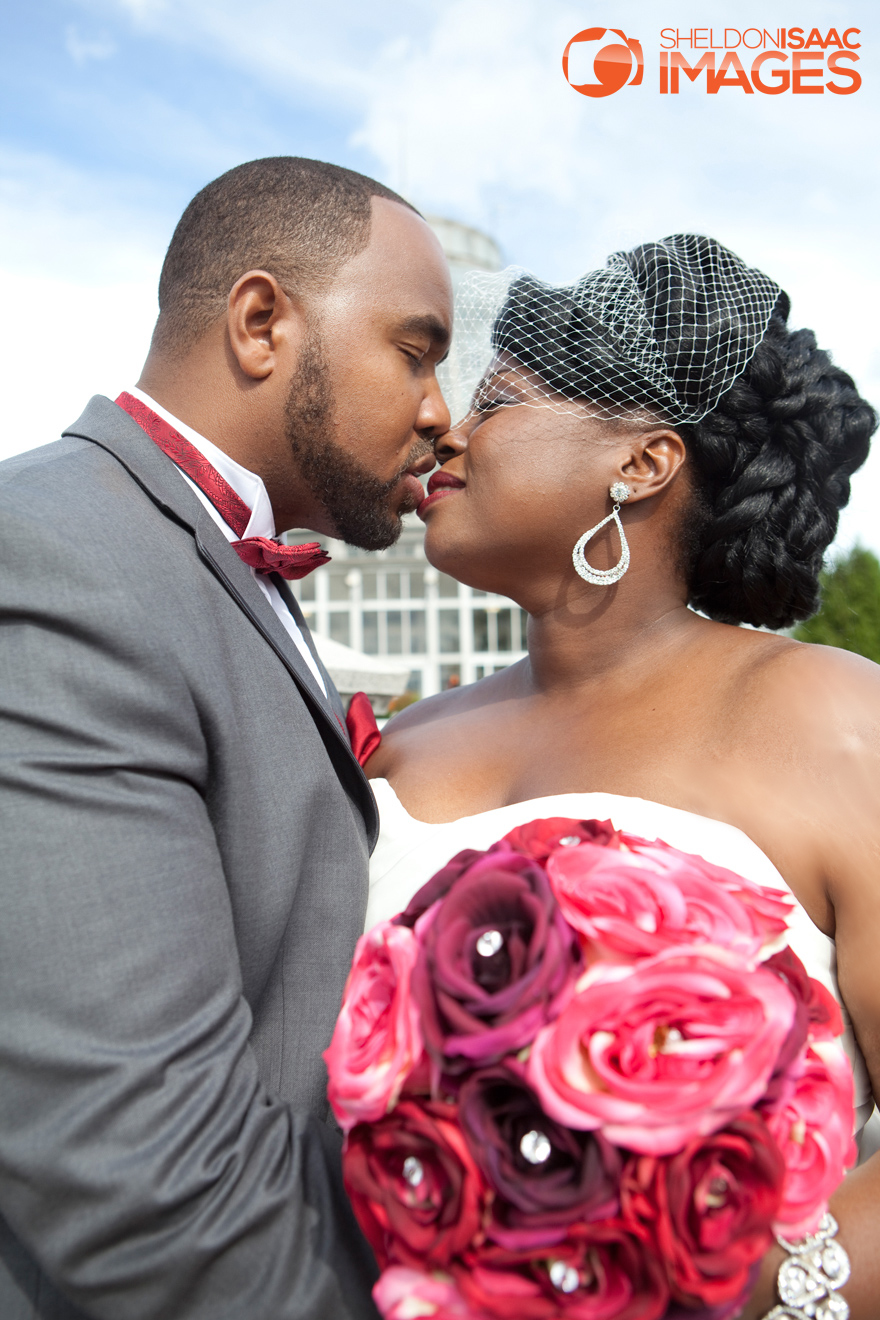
808,1279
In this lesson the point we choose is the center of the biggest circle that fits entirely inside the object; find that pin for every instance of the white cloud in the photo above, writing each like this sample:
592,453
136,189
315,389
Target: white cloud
80,264
62,342
83,49
73,224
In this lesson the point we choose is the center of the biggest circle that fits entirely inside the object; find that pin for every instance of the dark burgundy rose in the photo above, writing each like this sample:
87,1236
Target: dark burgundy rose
600,1271
709,1209
414,1186
499,961
544,1175
817,1016
539,838
437,887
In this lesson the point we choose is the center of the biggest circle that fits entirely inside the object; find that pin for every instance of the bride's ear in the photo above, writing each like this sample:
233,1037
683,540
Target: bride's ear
653,462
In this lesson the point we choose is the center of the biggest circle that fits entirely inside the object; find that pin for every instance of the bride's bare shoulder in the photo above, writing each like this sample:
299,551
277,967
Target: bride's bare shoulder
814,711
815,684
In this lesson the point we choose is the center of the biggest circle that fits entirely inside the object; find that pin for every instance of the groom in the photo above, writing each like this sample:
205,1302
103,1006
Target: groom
184,831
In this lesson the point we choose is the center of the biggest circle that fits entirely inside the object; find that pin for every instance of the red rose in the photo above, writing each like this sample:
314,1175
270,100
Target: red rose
817,1018
710,1208
821,1010
601,1271
415,1188
539,838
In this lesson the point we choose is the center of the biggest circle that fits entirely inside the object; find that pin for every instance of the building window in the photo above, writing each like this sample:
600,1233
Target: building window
340,628
418,637
306,588
370,632
414,682
523,630
417,584
449,635
392,586
450,677
369,585
339,586
504,640
447,586
394,625
481,632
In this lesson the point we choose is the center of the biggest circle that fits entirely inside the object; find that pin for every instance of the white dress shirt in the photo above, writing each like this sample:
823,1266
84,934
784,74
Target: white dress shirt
249,487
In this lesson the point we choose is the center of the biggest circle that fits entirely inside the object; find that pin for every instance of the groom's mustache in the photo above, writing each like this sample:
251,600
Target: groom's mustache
419,463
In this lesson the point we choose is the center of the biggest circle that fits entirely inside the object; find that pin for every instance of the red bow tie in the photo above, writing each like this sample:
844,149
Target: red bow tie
259,552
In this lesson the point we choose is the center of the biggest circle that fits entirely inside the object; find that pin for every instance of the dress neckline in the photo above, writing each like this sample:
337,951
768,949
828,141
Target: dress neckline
678,813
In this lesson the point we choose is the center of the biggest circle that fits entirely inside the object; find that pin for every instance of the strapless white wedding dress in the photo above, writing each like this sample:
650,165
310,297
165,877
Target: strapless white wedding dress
409,851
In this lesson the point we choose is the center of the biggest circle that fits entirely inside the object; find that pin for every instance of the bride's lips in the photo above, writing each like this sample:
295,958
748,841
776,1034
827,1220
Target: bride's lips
440,485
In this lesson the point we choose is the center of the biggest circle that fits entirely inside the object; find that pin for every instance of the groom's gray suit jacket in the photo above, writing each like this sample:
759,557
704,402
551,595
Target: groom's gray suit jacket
184,836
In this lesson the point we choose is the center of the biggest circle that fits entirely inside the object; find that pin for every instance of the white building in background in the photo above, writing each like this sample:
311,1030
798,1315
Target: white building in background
392,603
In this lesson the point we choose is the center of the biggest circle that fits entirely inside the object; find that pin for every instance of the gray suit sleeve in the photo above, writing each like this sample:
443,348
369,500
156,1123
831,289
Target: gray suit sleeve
142,1162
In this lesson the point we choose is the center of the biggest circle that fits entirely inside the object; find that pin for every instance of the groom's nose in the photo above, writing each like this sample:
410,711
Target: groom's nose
452,442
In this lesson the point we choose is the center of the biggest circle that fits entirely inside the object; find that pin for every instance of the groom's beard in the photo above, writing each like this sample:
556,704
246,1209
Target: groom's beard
356,501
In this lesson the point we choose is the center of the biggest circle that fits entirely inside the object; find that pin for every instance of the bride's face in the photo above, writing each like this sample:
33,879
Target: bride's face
520,482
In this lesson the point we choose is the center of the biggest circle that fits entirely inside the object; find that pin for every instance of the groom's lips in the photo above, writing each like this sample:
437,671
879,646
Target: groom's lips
440,485
414,492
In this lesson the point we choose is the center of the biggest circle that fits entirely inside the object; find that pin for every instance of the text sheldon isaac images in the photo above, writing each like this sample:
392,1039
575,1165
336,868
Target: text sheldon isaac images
804,61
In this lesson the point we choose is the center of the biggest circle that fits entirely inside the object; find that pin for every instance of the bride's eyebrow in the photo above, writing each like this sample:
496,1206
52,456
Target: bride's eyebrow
499,384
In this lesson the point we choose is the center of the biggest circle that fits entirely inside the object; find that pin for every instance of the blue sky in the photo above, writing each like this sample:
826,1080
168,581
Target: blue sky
114,112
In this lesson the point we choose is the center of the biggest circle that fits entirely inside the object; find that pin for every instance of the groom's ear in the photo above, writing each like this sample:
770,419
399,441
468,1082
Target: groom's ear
653,462
265,326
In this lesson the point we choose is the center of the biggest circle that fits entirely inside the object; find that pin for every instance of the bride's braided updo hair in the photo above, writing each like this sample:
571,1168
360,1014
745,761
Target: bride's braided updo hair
682,332
771,466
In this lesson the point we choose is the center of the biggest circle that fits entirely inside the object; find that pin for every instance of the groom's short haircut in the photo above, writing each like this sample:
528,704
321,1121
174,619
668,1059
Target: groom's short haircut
298,219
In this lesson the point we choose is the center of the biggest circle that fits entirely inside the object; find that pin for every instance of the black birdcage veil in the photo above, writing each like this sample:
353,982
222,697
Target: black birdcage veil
667,328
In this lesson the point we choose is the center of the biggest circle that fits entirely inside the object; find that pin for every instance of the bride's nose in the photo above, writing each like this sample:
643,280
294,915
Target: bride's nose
452,442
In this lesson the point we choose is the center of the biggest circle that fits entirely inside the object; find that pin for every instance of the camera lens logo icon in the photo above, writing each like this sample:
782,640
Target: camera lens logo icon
596,65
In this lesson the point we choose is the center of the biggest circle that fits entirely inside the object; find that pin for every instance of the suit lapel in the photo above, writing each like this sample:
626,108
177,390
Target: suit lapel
105,424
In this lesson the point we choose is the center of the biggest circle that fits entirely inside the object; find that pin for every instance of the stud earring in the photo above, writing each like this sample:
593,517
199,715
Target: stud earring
604,577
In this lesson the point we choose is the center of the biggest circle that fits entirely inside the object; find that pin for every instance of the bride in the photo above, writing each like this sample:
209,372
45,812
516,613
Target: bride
666,397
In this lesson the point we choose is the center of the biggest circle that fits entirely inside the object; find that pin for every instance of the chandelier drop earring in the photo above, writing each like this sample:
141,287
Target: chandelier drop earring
603,577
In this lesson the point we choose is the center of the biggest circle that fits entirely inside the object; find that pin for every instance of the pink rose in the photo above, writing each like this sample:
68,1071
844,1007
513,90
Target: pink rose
668,1049
404,1294
630,899
377,1041
813,1129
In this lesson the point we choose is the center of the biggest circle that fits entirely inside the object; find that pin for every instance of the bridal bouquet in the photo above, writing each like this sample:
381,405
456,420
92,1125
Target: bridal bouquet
583,1076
